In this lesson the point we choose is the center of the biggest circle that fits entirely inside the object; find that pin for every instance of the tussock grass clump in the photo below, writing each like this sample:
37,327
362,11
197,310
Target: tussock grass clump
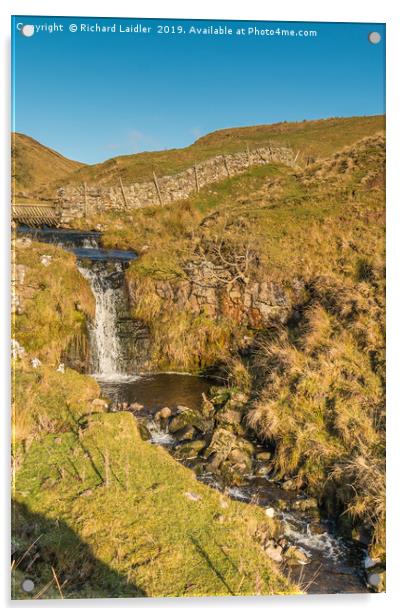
46,401
183,339
323,403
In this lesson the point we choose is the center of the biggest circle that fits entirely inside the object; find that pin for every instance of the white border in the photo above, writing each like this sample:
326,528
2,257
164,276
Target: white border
342,11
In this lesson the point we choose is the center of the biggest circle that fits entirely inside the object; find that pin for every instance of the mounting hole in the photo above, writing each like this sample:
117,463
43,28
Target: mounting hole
28,585
28,30
374,37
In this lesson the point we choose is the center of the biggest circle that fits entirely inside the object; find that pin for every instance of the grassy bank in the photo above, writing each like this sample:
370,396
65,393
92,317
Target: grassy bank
53,300
51,304
35,166
116,516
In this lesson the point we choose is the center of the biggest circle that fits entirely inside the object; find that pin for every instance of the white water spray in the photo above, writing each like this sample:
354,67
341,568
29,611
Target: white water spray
104,339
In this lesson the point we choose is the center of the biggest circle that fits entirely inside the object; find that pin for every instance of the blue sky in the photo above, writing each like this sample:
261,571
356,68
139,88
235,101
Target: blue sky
92,96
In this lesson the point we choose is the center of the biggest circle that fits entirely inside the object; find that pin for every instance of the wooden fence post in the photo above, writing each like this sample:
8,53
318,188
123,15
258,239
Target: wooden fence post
196,178
122,192
157,188
85,201
225,162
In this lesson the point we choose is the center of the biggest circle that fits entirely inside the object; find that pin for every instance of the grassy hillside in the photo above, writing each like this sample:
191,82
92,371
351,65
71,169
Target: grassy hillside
35,166
316,383
312,139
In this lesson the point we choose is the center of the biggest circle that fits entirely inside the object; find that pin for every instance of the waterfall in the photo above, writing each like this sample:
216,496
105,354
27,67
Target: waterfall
119,346
105,344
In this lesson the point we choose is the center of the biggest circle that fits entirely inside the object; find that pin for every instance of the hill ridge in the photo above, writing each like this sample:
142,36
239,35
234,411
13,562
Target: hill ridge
313,138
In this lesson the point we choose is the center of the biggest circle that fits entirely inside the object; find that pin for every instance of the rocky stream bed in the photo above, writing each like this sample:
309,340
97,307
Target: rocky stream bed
203,428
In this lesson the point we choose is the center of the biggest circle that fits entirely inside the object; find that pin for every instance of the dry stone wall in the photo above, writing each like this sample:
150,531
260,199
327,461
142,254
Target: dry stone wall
77,201
258,304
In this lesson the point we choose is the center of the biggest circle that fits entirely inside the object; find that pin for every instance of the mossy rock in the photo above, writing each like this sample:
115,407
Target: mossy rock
189,417
189,450
186,434
143,431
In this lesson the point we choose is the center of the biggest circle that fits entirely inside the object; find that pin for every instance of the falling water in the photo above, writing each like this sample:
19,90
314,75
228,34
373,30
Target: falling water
104,339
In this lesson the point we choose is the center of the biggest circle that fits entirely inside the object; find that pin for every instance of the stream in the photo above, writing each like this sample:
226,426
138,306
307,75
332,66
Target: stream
334,564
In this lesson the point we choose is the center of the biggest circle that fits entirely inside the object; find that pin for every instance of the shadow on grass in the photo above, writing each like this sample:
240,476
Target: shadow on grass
51,554
211,565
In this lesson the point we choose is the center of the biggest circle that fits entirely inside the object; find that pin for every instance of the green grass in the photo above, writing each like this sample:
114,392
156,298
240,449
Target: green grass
54,302
113,519
312,139
46,401
96,510
315,222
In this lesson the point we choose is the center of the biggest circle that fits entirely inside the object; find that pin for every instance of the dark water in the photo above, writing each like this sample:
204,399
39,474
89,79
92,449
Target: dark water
157,390
335,564
84,244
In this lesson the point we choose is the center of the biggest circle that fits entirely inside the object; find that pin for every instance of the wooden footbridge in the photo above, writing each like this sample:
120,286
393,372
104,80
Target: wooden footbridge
36,215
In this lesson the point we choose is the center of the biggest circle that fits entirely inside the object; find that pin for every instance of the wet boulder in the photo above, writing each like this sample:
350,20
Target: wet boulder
274,551
305,504
189,450
219,396
186,434
290,485
231,455
232,474
230,418
295,557
162,417
241,457
362,534
187,416
316,528
263,471
207,408
144,432
376,581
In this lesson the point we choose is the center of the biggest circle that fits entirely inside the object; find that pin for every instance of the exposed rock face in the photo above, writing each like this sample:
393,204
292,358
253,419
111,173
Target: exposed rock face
76,201
257,304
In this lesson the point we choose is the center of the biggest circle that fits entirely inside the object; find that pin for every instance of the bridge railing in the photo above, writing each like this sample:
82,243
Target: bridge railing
35,214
